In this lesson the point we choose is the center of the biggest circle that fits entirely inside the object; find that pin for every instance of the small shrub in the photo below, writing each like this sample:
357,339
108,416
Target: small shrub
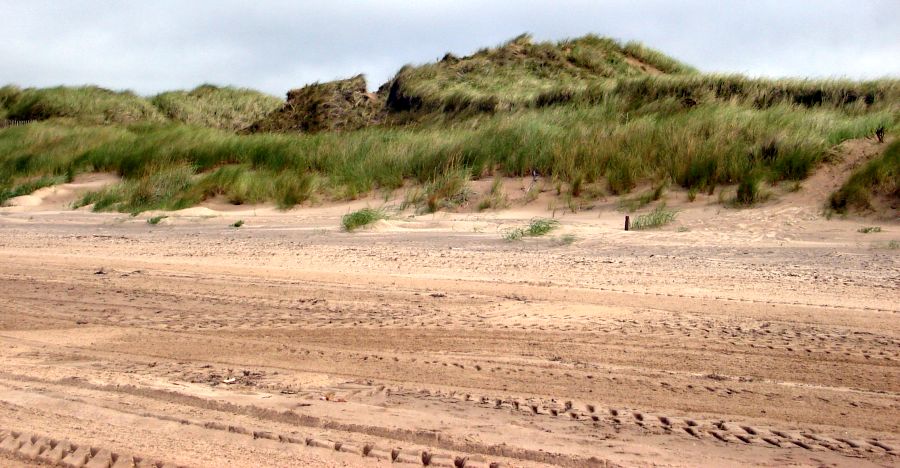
869,229
238,223
656,218
156,219
893,245
360,218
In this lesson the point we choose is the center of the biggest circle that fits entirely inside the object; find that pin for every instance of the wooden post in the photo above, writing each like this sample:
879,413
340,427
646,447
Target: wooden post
627,223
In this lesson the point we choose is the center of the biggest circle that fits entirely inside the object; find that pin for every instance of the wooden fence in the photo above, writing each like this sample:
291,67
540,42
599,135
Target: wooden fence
14,123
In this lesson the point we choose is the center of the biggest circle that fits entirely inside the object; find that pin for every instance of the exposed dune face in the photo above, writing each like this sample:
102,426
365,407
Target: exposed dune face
59,197
764,336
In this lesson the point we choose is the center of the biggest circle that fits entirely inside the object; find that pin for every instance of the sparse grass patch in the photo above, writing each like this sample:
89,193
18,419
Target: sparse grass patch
536,228
644,199
567,239
660,216
495,199
361,218
156,219
869,229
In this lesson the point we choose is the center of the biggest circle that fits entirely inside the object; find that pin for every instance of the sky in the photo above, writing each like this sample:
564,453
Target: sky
277,45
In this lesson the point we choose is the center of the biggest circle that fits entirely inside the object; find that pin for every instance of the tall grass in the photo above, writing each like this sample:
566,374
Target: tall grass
84,105
519,73
660,216
216,107
657,59
709,144
8,96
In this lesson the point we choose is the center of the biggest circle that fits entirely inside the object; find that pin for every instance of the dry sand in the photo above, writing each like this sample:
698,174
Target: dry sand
766,336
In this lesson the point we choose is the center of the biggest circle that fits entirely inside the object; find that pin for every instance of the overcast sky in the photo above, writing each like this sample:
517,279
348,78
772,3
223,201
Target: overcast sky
273,45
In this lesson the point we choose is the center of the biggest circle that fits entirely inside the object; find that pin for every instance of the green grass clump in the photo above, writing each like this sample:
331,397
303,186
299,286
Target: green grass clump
237,223
869,229
536,228
660,216
212,106
748,191
89,105
361,218
156,219
878,177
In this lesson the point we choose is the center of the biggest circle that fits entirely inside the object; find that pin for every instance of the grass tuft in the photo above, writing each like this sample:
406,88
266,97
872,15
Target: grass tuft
156,219
748,192
361,218
536,228
660,216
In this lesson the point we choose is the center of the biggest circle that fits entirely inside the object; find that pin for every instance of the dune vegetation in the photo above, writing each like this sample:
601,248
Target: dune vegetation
588,112
212,106
877,179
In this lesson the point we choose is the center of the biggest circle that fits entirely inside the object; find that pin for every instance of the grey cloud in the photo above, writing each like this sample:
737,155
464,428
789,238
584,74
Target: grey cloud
278,45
